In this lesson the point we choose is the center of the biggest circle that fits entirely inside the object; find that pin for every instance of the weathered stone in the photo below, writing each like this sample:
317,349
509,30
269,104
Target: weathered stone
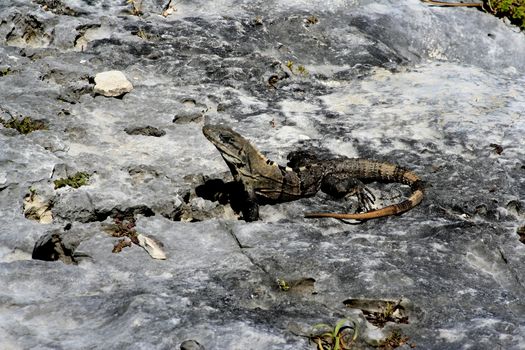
112,84
152,246
36,208
437,90
188,116
191,345
145,131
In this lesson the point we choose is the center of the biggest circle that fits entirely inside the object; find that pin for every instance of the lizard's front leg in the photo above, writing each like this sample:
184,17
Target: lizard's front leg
344,186
250,207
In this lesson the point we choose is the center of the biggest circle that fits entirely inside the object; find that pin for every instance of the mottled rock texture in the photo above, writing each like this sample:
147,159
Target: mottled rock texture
438,90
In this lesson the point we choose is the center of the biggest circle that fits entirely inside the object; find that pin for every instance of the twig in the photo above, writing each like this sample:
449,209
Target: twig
456,4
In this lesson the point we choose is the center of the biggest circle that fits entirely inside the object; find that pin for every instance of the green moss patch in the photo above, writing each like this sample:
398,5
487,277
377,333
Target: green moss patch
514,10
24,125
75,181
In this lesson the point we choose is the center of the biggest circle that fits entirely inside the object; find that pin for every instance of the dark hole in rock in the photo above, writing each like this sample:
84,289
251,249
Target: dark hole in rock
131,212
498,149
189,101
191,345
50,247
515,206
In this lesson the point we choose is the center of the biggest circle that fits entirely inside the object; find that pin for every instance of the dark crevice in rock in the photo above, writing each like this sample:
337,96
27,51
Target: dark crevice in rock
521,233
124,214
248,256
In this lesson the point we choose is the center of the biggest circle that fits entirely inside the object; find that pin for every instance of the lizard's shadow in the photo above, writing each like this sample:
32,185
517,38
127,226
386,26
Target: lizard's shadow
217,190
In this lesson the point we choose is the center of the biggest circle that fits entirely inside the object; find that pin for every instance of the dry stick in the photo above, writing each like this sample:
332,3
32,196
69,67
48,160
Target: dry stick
444,3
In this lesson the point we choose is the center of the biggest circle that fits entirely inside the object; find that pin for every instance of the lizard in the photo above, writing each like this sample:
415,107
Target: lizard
266,182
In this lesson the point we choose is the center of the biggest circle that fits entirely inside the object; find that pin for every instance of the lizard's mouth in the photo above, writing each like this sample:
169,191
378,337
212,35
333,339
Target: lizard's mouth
233,162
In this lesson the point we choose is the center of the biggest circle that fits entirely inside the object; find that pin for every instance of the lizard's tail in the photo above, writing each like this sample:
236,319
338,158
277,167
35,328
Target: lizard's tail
402,176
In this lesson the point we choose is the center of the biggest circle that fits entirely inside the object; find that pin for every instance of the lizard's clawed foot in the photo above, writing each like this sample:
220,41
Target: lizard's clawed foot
365,198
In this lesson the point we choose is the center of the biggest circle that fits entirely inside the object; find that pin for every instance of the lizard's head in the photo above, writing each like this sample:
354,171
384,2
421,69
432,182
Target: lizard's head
234,148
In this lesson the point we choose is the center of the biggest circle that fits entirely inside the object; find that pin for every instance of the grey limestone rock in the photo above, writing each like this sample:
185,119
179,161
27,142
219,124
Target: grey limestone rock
438,90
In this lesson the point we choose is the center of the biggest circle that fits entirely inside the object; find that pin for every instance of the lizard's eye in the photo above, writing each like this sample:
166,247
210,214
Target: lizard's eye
225,138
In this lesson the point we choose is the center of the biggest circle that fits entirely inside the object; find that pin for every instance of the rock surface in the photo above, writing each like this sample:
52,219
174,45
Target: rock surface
438,90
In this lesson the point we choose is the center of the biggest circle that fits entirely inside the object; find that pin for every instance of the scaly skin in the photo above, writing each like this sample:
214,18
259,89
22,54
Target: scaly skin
365,169
264,181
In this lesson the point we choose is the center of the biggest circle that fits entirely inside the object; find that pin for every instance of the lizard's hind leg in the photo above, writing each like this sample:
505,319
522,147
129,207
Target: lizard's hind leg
345,187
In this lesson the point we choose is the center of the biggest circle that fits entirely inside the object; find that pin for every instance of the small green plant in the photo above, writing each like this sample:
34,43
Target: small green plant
141,33
394,340
24,125
32,192
301,70
391,312
136,7
74,181
339,337
289,65
283,285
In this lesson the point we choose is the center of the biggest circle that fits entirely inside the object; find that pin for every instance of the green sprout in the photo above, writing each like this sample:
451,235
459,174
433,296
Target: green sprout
340,337
302,70
283,285
136,7
299,70
394,340
141,33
